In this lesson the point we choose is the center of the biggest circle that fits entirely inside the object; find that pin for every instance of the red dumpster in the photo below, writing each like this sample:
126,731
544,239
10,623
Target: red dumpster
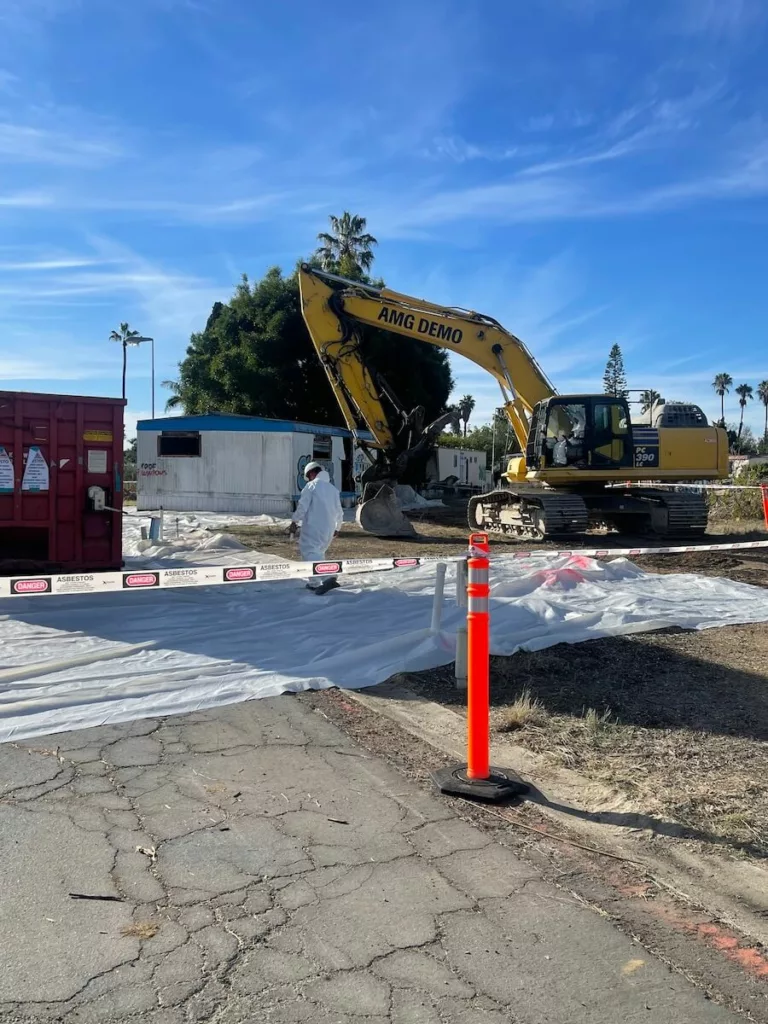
61,482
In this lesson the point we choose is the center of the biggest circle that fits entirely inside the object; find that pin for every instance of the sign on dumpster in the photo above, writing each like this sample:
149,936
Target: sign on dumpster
35,472
6,472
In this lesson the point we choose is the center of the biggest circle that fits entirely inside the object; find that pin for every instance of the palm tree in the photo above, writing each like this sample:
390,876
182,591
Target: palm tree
762,394
175,401
648,399
722,384
347,250
744,391
466,405
122,336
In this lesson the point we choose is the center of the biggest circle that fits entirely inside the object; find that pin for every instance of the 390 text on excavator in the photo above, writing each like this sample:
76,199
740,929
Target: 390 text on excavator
432,328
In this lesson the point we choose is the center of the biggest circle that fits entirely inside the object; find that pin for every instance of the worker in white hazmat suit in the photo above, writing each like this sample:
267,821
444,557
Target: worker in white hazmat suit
320,515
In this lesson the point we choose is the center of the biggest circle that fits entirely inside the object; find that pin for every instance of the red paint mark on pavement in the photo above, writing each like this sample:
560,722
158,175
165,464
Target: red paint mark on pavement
749,958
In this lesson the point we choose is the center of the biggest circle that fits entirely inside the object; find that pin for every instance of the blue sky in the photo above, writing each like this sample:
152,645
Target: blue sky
586,171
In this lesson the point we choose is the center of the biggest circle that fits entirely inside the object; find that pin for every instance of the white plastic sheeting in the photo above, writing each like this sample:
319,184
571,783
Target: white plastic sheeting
411,501
188,533
76,661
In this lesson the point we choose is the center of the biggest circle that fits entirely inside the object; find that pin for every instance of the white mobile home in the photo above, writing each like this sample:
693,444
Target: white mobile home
467,466
240,464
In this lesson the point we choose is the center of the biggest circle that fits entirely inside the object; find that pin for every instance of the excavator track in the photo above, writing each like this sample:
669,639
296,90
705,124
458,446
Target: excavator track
543,514
675,515
535,514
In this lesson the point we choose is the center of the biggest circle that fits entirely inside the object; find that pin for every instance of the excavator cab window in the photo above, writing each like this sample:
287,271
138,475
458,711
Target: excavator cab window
536,434
582,433
611,436
565,434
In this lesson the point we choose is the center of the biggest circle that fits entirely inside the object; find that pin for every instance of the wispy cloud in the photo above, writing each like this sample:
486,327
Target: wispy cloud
26,200
720,19
24,144
165,301
172,304
59,263
459,150
8,81
549,305
661,119
547,194
68,362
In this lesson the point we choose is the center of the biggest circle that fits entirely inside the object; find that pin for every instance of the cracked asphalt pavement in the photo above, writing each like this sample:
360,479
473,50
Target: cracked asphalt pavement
261,867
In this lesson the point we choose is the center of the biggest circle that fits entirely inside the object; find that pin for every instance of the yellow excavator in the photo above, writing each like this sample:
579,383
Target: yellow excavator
582,453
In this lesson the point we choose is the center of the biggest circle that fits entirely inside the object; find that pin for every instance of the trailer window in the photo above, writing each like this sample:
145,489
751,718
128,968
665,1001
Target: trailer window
178,444
321,448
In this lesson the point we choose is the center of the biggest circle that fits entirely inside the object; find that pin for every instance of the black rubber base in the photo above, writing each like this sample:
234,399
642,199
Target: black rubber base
502,785
325,587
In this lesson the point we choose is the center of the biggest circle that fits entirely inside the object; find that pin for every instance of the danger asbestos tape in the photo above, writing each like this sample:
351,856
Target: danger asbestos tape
632,552
208,576
212,576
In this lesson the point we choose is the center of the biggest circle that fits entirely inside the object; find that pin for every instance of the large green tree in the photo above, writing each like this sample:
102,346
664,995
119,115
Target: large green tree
615,378
255,357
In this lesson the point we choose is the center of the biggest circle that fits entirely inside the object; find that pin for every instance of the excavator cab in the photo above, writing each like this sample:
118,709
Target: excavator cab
585,433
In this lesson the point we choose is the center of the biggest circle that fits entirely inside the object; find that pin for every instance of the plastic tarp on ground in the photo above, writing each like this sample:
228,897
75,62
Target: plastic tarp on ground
75,661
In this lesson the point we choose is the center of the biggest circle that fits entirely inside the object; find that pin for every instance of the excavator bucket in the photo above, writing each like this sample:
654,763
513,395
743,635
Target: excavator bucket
379,513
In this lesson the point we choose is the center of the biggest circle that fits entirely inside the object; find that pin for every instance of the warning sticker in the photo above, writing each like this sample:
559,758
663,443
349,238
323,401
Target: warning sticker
35,585
78,583
274,571
326,568
239,574
35,472
6,472
137,580
98,435
189,577
97,460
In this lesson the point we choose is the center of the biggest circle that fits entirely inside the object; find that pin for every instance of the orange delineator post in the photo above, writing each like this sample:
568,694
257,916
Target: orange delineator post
477,779
478,660
764,491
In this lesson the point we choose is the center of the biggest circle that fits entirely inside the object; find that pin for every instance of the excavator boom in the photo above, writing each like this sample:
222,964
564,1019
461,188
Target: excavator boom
334,306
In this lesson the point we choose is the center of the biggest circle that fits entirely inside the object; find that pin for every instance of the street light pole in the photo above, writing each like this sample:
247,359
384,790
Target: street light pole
137,340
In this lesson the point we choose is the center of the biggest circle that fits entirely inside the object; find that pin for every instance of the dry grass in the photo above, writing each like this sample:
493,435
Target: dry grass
141,930
674,723
735,505
595,724
525,710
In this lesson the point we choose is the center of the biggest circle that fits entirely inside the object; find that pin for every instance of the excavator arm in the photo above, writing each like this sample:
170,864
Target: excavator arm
334,307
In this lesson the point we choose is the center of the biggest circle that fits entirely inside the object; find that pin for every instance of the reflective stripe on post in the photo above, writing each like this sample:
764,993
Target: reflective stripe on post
764,491
476,780
478,660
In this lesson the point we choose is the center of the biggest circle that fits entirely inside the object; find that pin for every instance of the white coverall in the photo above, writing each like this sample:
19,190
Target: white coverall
320,515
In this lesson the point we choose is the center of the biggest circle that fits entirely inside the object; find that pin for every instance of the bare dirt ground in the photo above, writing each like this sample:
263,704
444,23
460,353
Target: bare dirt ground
445,531
676,720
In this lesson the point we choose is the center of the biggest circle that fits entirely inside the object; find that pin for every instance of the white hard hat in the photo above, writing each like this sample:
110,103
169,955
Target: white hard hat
310,466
